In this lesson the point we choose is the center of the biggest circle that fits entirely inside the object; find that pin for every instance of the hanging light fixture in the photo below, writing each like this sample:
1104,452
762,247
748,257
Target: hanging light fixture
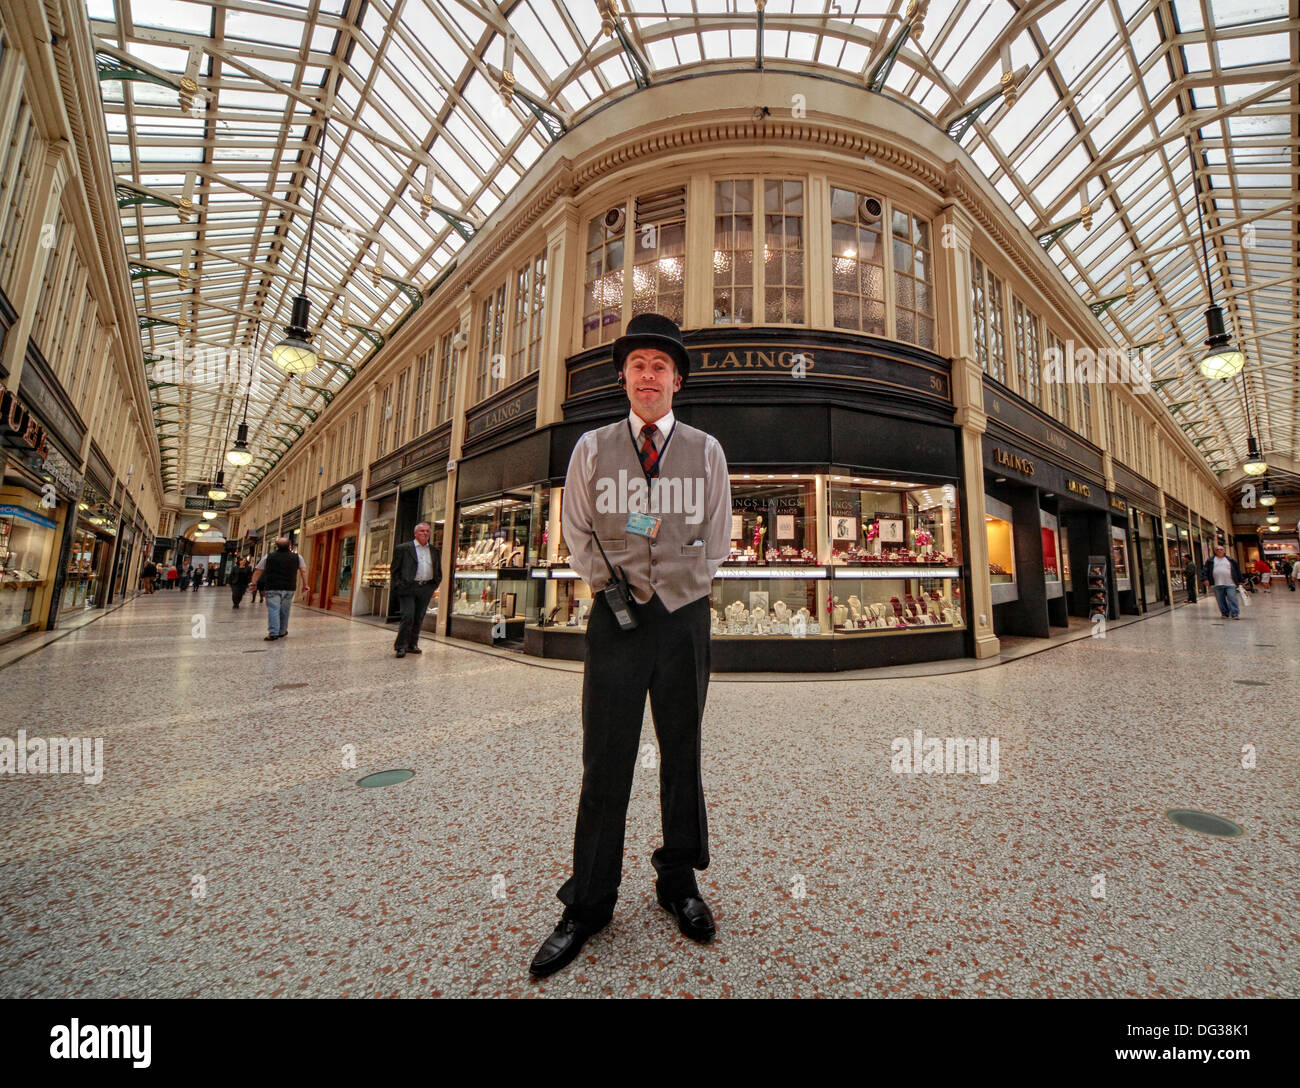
1272,519
204,526
217,491
1254,465
210,513
294,354
1266,497
1274,529
1223,360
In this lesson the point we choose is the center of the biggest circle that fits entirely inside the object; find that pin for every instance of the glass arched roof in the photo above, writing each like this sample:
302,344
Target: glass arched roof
1144,105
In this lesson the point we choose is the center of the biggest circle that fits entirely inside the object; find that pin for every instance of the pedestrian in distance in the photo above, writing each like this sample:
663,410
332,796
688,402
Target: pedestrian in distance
278,573
1223,574
239,579
173,576
147,576
416,574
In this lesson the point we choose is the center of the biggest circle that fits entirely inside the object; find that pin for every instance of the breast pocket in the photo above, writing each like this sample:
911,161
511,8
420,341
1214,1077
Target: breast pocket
614,544
695,551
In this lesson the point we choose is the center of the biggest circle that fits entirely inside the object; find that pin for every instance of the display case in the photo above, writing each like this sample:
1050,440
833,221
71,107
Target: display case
1119,558
494,595
1049,528
768,601
1002,551
866,601
26,543
773,520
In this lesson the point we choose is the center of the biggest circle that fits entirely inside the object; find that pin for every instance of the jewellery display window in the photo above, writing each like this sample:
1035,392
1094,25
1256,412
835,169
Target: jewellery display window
487,594
494,535
1002,552
865,601
1050,529
1065,560
1119,558
80,574
566,598
25,548
885,523
773,602
773,520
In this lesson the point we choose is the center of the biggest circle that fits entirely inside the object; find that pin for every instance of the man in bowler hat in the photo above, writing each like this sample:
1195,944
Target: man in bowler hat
655,492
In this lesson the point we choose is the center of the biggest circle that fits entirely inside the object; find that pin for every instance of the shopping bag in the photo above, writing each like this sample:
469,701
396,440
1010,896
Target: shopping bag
1243,596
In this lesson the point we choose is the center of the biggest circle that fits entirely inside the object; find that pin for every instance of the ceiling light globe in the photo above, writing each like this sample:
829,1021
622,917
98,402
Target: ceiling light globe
1222,365
1273,529
293,355
1272,519
203,525
1255,467
209,513
237,456
216,493
1267,499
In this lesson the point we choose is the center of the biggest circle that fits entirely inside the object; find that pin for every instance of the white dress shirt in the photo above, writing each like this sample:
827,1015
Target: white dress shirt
423,563
577,515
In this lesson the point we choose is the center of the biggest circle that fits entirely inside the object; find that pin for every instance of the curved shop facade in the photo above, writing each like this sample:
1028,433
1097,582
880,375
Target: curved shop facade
854,304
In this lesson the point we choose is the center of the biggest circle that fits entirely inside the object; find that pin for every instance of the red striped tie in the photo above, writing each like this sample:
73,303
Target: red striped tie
649,455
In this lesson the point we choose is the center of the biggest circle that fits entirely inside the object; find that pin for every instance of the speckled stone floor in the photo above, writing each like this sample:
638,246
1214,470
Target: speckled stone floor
228,852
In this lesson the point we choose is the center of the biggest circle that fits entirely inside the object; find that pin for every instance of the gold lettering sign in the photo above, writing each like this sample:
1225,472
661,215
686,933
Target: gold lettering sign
1077,488
1013,461
1120,505
340,515
755,360
22,423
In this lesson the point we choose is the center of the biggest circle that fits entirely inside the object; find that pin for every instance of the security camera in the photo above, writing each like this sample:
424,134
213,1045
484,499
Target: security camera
461,340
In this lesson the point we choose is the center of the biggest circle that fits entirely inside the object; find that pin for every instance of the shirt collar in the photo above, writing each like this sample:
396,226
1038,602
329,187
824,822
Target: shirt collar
664,424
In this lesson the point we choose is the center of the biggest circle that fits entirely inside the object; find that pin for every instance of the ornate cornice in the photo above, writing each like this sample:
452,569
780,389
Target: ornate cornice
557,184
713,134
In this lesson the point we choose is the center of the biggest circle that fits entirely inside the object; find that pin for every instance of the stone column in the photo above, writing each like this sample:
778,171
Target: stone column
563,282
952,284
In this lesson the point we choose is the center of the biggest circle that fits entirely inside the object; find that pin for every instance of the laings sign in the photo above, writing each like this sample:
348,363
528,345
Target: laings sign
19,420
1013,461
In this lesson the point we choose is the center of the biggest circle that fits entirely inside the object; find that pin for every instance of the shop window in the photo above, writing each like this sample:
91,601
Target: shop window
489,375
349,466
446,378
858,261
773,521
1059,381
988,336
16,170
530,307
399,408
26,543
1002,552
733,252
1028,372
913,280
492,553
602,310
783,252
1050,529
385,420
659,262
1119,557
347,563
425,367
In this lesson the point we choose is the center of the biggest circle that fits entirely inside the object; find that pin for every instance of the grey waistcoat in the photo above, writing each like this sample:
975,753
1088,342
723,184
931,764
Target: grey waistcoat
670,565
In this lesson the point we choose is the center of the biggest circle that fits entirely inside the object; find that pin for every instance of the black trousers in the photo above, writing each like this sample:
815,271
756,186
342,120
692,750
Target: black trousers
413,605
667,656
237,592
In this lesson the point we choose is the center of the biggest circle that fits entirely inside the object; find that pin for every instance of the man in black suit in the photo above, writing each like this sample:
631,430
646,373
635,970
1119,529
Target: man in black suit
415,579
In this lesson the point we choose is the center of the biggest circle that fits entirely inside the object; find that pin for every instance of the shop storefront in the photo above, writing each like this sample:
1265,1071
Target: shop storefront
1127,583
37,494
1045,513
1178,546
332,571
848,532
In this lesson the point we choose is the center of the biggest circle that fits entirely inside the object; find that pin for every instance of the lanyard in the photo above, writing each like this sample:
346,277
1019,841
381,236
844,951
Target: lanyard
637,449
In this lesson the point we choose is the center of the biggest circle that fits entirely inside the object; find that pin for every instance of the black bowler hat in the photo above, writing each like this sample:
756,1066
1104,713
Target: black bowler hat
653,331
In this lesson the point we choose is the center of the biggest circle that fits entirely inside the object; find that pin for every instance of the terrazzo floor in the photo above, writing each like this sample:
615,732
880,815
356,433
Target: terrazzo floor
228,852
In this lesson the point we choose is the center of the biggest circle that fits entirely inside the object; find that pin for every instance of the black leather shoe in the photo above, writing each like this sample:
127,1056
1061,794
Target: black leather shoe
414,650
693,917
400,653
561,948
